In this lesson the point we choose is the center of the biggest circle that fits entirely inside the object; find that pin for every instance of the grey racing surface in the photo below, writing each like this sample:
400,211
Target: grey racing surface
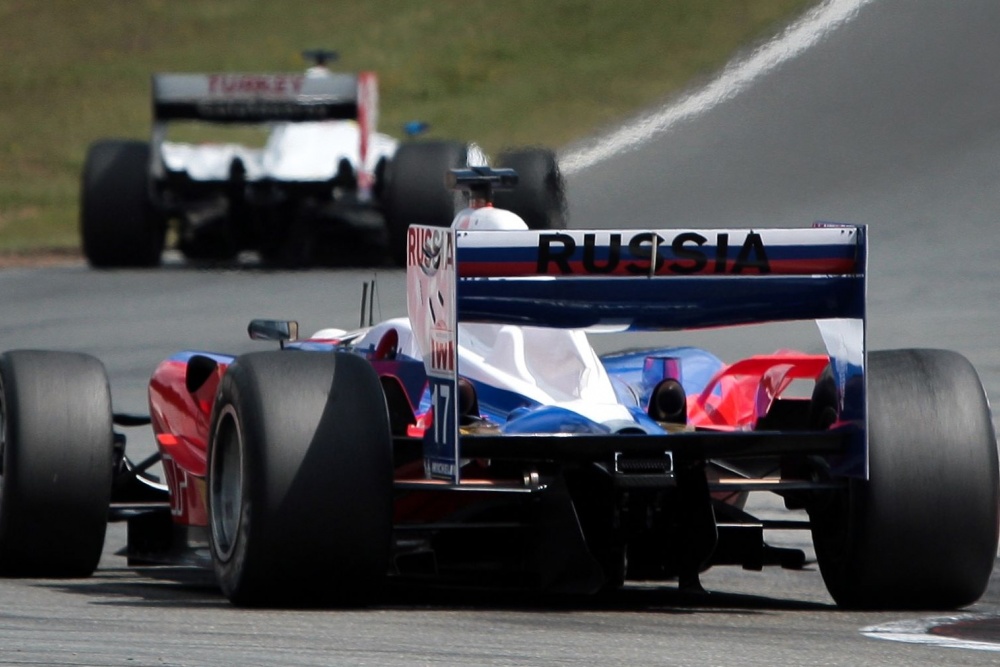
892,120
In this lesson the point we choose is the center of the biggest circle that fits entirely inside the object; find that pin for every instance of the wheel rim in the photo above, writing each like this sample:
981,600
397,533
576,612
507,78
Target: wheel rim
226,500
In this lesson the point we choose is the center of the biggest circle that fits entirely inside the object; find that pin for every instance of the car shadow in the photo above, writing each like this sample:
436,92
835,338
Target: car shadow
179,587
351,248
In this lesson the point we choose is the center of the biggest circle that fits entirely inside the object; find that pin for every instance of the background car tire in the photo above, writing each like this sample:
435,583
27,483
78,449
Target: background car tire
921,533
539,197
117,222
415,191
300,480
57,443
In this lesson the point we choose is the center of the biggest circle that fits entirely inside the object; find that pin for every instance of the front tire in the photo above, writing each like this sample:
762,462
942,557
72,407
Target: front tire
118,224
57,452
921,532
300,480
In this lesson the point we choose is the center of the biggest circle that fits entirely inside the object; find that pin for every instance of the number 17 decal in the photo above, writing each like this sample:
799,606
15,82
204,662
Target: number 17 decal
441,442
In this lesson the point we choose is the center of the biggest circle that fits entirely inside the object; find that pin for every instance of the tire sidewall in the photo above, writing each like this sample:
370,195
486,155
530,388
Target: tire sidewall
234,570
921,531
56,490
316,503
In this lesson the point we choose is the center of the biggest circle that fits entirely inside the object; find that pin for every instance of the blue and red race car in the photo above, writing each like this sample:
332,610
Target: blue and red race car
481,439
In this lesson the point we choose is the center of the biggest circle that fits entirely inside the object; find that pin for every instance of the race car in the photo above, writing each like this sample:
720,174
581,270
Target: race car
322,175
482,440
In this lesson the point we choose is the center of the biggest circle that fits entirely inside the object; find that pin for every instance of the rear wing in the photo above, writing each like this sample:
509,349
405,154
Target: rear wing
634,280
662,279
256,98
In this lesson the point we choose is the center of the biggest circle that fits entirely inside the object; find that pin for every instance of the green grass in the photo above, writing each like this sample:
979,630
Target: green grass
502,73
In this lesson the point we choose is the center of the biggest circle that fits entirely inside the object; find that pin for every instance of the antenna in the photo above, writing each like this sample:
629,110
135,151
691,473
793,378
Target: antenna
368,290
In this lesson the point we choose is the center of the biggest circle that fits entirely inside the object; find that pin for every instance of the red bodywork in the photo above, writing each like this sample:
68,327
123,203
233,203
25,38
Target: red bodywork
181,422
741,394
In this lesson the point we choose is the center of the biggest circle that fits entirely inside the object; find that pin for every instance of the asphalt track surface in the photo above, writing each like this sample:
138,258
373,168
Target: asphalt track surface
892,119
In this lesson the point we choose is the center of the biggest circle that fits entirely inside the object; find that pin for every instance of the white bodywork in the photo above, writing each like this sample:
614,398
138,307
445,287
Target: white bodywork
309,151
550,366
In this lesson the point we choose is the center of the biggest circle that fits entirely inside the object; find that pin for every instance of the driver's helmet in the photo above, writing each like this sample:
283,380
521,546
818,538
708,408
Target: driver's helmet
490,218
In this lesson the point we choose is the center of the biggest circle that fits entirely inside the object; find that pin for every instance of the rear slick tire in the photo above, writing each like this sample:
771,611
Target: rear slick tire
118,224
416,193
539,196
57,448
921,532
300,481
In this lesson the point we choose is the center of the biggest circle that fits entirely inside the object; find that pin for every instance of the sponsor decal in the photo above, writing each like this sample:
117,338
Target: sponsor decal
430,249
442,356
431,294
648,253
256,110
430,277
263,85
439,469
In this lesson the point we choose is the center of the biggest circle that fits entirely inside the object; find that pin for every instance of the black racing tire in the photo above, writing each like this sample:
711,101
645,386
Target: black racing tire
540,195
118,224
415,191
922,532
57,443
300,481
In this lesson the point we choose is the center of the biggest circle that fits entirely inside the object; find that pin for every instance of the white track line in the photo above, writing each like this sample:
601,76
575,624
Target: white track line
737,76
917,631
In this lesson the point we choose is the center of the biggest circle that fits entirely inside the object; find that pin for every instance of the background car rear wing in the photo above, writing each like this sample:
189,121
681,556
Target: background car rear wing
635,280
259,98
254,98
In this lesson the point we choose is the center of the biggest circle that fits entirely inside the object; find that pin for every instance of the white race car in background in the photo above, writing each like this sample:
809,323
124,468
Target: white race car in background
322,166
